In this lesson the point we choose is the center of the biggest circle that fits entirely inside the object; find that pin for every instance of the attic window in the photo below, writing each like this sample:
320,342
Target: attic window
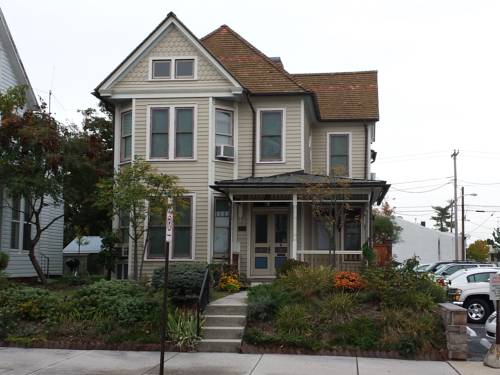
161,69
184,68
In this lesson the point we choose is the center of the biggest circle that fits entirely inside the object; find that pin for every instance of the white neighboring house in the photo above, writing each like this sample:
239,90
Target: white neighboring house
428,244
13,229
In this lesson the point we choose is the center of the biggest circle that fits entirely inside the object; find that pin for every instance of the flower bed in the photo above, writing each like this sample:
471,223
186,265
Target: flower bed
318,310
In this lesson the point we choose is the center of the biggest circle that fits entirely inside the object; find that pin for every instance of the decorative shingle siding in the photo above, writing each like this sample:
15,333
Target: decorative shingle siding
173,43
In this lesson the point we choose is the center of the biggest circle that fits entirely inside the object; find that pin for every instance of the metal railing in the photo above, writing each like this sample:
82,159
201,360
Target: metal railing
203,299
45,264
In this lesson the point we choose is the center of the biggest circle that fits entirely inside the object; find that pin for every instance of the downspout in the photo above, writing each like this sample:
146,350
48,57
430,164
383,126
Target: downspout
366,151
254,130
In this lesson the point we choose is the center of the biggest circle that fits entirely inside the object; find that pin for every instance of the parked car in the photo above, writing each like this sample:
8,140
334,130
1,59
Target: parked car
435,266
449,269
491,326
470,289
424,267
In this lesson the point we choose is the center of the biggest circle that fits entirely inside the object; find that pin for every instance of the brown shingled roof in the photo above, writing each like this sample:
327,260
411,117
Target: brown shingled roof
253,69
343,96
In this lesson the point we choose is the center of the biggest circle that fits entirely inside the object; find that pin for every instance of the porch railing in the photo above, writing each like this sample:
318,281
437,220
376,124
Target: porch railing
203,299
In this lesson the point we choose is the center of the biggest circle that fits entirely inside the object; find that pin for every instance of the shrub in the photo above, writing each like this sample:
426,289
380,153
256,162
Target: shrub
336,308
4,260
217,269
348,281
229,282
30,303
264,301
289,265
294,320
181,328
307,282
361,333
184,281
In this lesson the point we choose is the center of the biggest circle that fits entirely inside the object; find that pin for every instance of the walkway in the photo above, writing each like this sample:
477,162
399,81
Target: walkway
15,361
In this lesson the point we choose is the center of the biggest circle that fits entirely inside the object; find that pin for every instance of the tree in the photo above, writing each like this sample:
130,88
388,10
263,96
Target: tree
478,251
131,190
443,218
110,252
329,207
88,158
495,243
31,165
80,241
385,228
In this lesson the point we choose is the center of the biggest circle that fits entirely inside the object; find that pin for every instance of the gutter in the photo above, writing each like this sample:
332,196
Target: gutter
366,150
254,130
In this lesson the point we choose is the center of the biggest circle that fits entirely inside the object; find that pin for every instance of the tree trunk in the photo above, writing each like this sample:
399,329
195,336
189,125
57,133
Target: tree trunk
108,274
136,268
37,266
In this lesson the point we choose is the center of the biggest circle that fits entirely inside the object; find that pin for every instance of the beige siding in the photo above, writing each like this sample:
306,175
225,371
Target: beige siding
292,106
171,43
319,146
193,175
224,170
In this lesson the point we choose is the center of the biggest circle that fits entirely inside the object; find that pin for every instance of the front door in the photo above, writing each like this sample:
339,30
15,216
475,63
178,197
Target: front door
270,242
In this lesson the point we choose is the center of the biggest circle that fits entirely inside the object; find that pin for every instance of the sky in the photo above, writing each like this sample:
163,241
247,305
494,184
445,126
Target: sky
438,64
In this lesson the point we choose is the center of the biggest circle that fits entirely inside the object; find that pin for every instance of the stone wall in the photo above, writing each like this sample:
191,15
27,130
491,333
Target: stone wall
455,322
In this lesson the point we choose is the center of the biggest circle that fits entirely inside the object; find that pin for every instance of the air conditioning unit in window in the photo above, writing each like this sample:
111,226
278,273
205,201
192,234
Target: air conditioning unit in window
125,251
224,152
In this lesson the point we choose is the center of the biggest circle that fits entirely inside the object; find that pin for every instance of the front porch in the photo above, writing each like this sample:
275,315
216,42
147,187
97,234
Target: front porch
276,218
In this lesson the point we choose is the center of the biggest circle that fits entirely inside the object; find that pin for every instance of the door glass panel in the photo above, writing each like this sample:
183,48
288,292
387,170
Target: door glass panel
260,262
260,228
281,228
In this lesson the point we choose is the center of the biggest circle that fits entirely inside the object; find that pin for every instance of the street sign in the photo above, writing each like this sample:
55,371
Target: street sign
170,225
495,287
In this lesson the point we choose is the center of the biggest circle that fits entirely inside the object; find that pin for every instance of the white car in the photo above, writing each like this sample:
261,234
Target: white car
470,289
491,326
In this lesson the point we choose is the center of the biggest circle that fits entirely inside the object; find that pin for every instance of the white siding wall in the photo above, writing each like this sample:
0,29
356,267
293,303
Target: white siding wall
7,75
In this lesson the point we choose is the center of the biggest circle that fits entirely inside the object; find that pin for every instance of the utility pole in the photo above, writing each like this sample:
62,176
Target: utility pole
455,210
463,224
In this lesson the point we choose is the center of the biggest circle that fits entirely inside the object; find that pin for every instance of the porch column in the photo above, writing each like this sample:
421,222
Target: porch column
294,227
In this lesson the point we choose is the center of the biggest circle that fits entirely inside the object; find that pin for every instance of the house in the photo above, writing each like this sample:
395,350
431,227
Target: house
246,138
429,245
86,250
14,229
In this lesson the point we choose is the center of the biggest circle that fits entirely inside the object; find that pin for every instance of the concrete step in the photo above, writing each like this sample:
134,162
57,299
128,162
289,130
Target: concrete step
219,345
223,332
225,320
228,309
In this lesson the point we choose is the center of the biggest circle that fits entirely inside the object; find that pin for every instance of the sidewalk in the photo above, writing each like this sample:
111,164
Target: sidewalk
15,361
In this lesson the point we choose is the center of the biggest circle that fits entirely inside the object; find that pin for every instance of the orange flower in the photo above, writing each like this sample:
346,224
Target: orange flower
349,281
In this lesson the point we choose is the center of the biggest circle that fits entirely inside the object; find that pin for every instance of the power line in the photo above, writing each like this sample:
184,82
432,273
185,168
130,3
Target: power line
424,180
479,183
481,225
423,191
412,155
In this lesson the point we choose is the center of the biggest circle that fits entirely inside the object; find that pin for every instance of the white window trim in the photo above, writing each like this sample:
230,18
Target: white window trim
328,135
283,136
122,160
171,132
221,196
172,68
232,110
193,237
21,222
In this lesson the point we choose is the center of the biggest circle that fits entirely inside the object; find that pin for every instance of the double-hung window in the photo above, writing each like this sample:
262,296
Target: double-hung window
184,68
271,136
221,228
338,156
161,69
183,231
171,125
126,136
223,127
352,230
20,229
172,68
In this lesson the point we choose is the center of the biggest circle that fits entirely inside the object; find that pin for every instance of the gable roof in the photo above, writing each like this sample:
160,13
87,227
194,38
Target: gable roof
343,96
15,60
256,72
143,47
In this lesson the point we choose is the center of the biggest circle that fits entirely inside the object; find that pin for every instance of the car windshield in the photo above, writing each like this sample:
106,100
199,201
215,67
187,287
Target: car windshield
440,269
423,268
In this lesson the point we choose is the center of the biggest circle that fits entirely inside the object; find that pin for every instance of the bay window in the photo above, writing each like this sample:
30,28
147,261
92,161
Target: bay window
338,155
271,136
159,132
223,127
184,132
126,136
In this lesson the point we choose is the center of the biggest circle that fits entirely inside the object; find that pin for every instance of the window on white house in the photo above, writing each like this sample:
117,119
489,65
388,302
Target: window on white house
221,228
20,230
184,124
339,155
161,69
126,135
352,230
271,135
124,225
183,230
184,68
223,127
159,132
325,235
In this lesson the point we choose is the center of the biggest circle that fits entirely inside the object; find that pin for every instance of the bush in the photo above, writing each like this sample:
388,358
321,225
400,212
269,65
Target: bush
289,265
217,269
229,283
184,281
361,333
4,261
264,301
348,281
181,328
30,304
294,320
336,308
307,282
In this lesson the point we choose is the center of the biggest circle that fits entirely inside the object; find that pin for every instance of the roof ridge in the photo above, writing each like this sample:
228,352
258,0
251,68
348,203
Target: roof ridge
259,52
335,73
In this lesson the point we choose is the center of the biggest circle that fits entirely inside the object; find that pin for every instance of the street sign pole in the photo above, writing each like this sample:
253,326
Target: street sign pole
168,240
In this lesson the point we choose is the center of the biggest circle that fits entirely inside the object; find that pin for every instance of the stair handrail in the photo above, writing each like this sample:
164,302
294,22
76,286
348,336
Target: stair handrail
203,298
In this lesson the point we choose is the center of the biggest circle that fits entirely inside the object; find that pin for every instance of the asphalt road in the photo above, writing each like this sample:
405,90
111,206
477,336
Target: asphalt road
477,344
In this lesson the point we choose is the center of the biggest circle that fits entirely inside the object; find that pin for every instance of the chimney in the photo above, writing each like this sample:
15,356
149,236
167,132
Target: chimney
422,223
277,61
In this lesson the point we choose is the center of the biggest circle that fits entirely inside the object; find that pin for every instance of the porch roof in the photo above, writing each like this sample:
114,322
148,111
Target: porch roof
300,179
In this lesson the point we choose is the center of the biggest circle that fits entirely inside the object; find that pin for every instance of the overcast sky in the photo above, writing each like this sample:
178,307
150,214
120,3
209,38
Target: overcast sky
438,63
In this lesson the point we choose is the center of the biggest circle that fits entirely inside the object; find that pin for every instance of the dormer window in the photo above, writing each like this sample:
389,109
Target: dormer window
161,69
184,68
172,68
